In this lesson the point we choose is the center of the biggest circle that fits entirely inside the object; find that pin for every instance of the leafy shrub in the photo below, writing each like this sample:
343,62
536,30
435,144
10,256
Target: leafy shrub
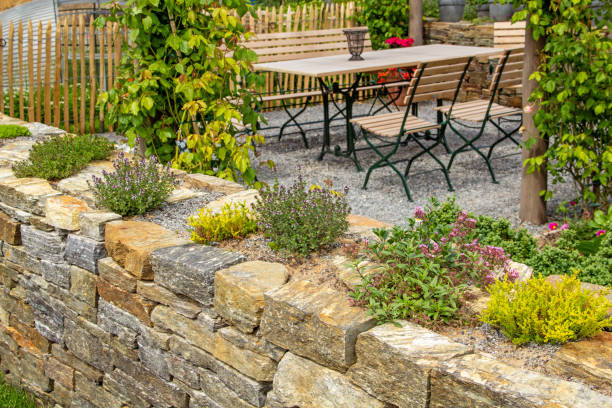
234,221
518,243
135,187
536,310
384,18
11,131
299,219
421,271
62,156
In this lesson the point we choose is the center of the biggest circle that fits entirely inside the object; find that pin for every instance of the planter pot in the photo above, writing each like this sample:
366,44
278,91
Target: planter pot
483,10
500,12
394,76
451,10
596,6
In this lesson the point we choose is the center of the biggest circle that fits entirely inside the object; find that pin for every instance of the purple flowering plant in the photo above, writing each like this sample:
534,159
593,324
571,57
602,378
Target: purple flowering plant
135,187
301,219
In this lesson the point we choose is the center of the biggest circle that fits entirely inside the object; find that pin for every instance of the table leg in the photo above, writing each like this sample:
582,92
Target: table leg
349,96
326,135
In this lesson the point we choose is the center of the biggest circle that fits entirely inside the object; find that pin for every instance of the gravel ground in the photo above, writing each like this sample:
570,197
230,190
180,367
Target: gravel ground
385,199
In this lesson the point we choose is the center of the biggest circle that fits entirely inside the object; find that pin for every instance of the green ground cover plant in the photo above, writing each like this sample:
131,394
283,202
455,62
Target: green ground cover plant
62,156
299,219
12,131
536,310
135,187
11,397
234,221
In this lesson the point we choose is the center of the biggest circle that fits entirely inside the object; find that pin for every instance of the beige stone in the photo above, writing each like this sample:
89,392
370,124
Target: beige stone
393,363
156,293
254,342
361,225
130,302
63,212
164,318
253,364
479,380
83,285
114,274
130,243
239,291
180,194
216,184
78,184
28,337
301,383
248,197
59,372
10,230
314,322
347,273
589,360
14,152
28,194
93,223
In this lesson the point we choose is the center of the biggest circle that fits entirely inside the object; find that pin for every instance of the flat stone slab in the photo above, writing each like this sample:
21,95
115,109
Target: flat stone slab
393,363
191,330
479,380
301,383
44,245
79,183
239,291
180,194
84,252
362,225
14,152
27,194
130,243
63,212
248,197
589,360
248,362
10,230
314,322
93,223
190,269
212,183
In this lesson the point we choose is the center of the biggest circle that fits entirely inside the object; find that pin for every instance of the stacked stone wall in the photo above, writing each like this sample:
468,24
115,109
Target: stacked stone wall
96,311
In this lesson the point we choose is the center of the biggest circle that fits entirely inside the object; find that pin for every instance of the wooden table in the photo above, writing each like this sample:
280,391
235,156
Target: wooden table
323,67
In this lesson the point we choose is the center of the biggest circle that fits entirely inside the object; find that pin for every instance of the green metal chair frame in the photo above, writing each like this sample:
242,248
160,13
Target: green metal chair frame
431,80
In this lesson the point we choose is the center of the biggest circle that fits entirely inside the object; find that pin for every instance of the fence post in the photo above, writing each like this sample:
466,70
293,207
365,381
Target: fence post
9,66
47,119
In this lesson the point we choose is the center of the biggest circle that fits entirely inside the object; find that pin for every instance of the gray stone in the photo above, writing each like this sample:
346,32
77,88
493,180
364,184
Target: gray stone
107,310
216,389
393,363
90,392
118,386
210,319
167,319
159,294
154,359
190,269
124,335
43,245
112,272
301,383
57,273
48,316
84,252
155,338
93,223
16,213
194,355
87,346
184,371
254,342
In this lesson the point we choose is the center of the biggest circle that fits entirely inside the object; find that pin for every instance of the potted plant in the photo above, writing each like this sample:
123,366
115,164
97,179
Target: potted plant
500,12
396,74
451,10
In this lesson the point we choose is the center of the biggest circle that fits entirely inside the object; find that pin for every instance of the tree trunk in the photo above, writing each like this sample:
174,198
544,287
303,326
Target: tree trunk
533,205
415,28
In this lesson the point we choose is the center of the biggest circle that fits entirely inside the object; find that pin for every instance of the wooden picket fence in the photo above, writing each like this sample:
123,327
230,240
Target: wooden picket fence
56,77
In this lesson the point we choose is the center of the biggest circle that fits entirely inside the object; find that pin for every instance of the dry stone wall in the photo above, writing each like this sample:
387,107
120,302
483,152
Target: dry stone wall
96,311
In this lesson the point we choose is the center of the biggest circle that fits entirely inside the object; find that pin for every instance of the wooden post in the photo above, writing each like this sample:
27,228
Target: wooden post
83,79
1,78
92,76
31,110
47,118
9,68
66,76
532,206
415,27
39,73
58,72
20,50
75,74
102,87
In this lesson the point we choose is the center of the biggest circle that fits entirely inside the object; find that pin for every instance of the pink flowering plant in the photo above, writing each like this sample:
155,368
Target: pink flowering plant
427,267
135,187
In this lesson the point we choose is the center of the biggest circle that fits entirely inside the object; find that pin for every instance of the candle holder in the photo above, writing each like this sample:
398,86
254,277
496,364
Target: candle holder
355,38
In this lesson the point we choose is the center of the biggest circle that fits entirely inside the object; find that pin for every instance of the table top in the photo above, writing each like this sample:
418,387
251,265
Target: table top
374,60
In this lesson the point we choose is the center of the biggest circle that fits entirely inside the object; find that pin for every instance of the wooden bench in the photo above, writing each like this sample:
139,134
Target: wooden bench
290,90
509,35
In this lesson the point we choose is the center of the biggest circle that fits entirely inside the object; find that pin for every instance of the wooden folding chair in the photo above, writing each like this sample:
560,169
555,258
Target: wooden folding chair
508,73
434,80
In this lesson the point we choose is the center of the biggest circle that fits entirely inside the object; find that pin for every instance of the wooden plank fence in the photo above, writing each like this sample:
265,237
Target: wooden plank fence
56,79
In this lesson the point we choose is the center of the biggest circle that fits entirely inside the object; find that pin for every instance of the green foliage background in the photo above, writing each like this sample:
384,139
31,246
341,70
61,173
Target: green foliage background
384,18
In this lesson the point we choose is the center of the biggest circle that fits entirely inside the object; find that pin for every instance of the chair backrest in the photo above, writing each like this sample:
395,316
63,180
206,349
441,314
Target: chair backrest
509,70
273,47
509,35
440,79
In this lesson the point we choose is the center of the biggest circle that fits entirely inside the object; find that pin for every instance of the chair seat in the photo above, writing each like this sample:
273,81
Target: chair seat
390,124
475,111
289,95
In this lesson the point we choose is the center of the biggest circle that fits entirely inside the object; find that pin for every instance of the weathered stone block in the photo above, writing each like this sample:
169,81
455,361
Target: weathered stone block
184,371
252,391
10,230
314,322
61,395
254,365
302,383
16,213
154,359
219,392
83,285
190,269
116,385
90,392
56,273
84,252
59,372
131,242
480,380
27,337
93,223
43,245
125,337
82,368
31,372
114,274
63,212
130,302
587,359
254,342
216,184
155,338
247,197
393,363
27,194
167,319
87,346
159,294
194,355
108,310
239,291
